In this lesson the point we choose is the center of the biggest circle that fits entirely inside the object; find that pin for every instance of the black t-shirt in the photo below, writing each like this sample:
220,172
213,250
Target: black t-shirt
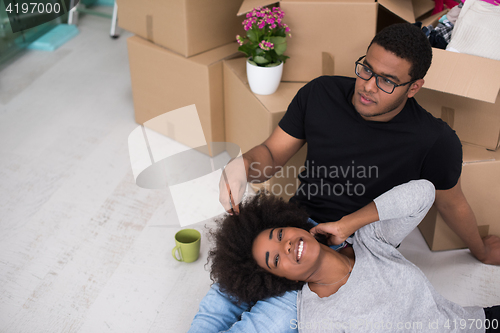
351,161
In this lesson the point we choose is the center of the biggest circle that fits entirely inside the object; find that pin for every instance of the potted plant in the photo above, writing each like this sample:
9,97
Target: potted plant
264,45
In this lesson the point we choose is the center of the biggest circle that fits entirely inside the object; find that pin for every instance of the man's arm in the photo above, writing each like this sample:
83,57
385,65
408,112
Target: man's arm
257,165
458,215
269,157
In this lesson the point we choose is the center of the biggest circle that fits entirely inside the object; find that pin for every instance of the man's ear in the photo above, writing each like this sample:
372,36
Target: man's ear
415,87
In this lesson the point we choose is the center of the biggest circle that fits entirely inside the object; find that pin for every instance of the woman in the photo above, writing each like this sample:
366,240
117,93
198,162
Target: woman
267,250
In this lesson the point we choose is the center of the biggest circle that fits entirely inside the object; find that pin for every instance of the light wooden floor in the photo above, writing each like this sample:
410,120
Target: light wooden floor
82,248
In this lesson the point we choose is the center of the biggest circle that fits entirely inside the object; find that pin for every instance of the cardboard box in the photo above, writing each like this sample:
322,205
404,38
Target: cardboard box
463,90
164,81
328,36
396,11
480,184
187,27
250,120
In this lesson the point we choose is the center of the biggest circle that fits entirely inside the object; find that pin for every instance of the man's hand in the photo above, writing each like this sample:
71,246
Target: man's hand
232,185
492,247
257,165
458,215
334,232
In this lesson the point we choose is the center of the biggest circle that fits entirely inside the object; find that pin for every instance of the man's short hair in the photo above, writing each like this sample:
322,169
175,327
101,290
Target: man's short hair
408,42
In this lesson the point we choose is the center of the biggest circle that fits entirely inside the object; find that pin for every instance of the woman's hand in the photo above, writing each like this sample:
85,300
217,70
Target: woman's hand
335,232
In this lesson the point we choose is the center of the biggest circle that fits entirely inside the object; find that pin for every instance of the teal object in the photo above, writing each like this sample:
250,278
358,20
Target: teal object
55,38
89,2
109,3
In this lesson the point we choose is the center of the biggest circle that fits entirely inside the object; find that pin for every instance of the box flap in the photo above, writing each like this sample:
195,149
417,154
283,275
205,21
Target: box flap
421,7
408,10
433,19
354,2
477,154
465,75
248,5
402,8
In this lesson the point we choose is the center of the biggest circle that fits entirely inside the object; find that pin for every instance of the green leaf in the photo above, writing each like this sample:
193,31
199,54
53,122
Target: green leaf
260,60
280,32
273,64
259,51
253,35
245,48
283,58
279,44
252,62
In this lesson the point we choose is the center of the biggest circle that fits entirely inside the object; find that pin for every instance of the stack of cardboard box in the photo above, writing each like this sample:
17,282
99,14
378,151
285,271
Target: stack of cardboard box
176,56
177,61
463,90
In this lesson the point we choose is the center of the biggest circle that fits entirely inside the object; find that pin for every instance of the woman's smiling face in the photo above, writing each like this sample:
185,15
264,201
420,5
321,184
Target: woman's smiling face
287,252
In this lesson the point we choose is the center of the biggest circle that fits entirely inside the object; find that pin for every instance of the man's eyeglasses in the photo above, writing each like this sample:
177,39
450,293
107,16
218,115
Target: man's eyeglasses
365,73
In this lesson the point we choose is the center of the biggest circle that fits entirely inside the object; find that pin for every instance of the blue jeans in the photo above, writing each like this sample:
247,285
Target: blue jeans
219,313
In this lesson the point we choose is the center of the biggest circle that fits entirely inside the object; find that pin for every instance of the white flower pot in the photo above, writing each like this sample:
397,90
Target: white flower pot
264,80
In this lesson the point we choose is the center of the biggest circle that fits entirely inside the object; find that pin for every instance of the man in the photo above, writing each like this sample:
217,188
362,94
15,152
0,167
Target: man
365,136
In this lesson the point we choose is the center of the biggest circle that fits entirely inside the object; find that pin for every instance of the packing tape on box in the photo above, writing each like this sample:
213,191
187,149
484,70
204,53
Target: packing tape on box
448,115
327,64
149,28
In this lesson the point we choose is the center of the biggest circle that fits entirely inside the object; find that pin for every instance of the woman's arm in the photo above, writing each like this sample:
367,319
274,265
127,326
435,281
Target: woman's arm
402,209
399,210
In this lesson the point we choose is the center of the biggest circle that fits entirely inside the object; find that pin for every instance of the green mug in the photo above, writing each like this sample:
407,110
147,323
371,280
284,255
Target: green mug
187,242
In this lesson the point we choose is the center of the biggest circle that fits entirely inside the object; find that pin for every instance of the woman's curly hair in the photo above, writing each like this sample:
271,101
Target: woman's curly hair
232,264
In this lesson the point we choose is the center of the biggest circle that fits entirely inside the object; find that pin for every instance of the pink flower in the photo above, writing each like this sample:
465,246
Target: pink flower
269,22
239,39
266,46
